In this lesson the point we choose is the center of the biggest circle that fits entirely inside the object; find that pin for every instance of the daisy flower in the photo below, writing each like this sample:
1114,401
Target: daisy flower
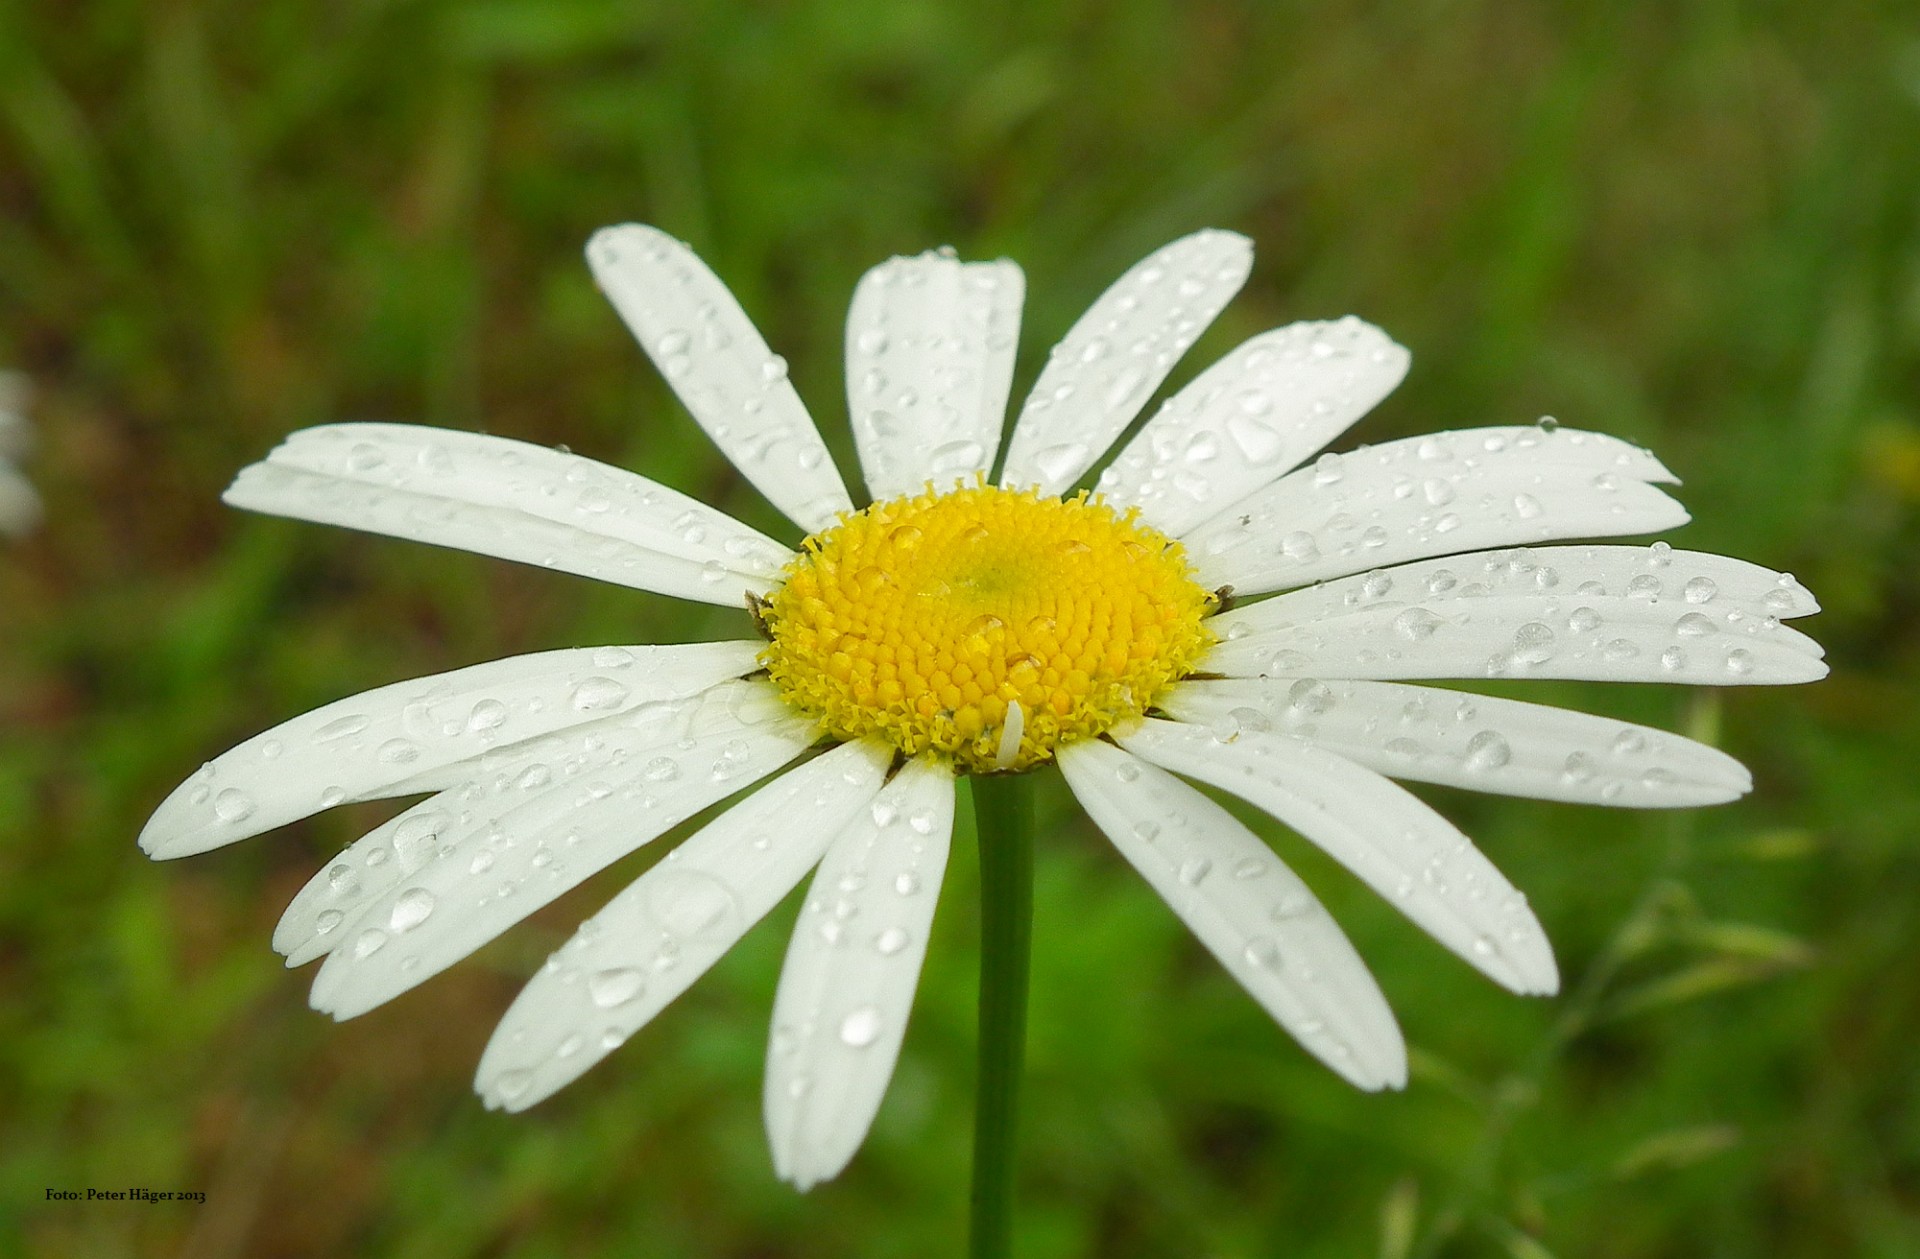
962,625
19,505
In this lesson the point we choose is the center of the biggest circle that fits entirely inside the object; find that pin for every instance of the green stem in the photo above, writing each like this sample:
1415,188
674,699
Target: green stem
1003,825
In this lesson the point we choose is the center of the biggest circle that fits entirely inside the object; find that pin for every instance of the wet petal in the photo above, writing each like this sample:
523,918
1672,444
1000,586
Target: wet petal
1398,846
732,384
847,986
374,744
1654,574
528,844
1609,638
1110,362
514,500
930,345
1438,495
1428,734
1251,418
1249,910
663,932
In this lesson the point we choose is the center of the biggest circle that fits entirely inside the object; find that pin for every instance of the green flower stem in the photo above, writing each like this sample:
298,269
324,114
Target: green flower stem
1003,826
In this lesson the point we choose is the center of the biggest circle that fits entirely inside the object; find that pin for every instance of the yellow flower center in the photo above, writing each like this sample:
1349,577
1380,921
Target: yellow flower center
986,624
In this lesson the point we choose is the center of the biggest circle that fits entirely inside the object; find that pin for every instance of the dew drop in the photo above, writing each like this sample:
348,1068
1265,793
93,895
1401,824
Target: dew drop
1487,751
398,752
1533,643
488,714
232,805
1263,952
413,907
615,986
1194,871
1694,625
860,1028
368,943
890,941
1416,625
598,693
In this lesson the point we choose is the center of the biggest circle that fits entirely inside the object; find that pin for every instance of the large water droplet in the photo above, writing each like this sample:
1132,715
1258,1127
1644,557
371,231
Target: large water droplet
413,907
860,1028
1061,462
233,806
488,714
1694,625
1533,643
615,986
1416,624
1486,751
597,693
342,727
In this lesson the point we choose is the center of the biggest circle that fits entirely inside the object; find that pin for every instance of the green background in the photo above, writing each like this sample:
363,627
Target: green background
1694,225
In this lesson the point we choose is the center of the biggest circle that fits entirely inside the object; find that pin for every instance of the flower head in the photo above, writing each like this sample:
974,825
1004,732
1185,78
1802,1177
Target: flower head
964,625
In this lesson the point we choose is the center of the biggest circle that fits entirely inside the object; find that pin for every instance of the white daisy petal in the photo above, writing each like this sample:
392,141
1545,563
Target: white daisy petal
930,345
660,934
715,359
1474,741
514,500
1601,638
495,812
1250,418
1438,495
371,745
1398,846
1110,362
1250,911
1654,574
847,986
510,859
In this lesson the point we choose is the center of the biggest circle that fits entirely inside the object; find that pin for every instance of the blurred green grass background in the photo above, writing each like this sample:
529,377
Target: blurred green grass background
1695,225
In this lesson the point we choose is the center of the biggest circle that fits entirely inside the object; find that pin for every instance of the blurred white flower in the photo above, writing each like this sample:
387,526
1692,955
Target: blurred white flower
961,626
19,505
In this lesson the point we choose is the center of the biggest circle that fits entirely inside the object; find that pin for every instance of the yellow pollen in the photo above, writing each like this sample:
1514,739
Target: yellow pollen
987,624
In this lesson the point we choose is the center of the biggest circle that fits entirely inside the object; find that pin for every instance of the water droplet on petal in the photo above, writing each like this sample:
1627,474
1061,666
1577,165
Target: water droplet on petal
413,907
1694,625
1262,951
233,806
860,1028
597,693
615,986
1194,871
1487,751
1416,624
488,714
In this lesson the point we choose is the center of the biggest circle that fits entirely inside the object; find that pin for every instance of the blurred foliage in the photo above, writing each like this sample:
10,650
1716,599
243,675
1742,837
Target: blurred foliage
1695,225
